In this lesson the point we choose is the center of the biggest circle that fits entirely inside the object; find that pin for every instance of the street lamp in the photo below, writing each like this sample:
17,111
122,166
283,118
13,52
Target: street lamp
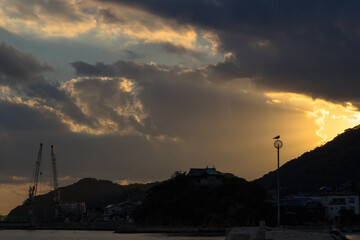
278,144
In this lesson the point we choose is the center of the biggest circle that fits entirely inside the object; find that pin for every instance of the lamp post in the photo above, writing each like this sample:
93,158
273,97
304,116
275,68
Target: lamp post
278,144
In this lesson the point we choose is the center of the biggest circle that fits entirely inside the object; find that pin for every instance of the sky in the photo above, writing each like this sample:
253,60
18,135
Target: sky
134,90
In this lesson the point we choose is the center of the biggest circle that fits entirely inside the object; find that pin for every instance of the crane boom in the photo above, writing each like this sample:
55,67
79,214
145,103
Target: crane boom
55,182
53,160
33,188
37,170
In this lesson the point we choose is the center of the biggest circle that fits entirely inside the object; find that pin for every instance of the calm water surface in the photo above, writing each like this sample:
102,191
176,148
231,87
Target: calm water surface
353,236
89,235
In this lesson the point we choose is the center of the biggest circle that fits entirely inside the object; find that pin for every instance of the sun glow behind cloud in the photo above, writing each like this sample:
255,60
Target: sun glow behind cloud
330,118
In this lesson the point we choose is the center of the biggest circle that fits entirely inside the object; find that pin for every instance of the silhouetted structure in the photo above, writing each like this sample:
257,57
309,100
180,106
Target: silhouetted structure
205,176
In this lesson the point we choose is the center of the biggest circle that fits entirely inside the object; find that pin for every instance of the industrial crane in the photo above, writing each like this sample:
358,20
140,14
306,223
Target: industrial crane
56,188
33,188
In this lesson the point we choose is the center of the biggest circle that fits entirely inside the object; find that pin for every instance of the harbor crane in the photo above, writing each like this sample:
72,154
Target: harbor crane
55,181
33,188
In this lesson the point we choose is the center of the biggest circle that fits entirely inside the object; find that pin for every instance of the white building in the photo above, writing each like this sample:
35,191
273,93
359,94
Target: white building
335,202
73,207
120,211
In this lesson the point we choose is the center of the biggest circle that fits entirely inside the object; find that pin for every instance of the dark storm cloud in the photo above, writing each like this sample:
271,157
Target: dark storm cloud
23,74
45,90
18,118
309,47
18,67
85,69
78,104
223,71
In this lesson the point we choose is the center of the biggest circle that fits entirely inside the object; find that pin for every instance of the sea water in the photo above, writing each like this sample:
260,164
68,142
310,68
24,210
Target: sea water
89,235
353,236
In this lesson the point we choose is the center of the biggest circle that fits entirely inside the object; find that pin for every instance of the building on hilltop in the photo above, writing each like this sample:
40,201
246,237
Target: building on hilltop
206,176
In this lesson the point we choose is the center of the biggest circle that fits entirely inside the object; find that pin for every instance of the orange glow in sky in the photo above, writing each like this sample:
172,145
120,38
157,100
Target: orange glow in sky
330,119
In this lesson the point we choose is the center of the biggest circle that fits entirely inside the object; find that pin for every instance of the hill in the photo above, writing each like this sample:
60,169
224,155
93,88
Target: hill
180,201
88,190
334,163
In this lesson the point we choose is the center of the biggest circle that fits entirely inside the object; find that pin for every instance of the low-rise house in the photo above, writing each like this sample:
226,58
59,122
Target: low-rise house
206,176
301,209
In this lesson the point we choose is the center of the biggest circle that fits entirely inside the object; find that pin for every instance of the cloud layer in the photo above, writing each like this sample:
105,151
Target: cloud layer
301,47
306,47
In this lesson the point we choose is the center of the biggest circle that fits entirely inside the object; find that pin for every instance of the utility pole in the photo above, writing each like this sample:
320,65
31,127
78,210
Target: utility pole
278,144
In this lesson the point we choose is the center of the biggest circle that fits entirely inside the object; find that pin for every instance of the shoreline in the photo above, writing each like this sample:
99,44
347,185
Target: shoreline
117,228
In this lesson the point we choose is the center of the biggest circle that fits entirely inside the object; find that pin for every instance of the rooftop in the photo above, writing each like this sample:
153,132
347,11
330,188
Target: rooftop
198,172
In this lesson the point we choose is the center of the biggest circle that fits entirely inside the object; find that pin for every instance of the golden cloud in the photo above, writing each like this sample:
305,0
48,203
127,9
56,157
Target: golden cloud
5,90
104,109
106,21
36,20
105,112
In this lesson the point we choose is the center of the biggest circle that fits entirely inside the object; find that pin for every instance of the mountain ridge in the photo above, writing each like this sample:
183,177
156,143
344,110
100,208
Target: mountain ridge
333,163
